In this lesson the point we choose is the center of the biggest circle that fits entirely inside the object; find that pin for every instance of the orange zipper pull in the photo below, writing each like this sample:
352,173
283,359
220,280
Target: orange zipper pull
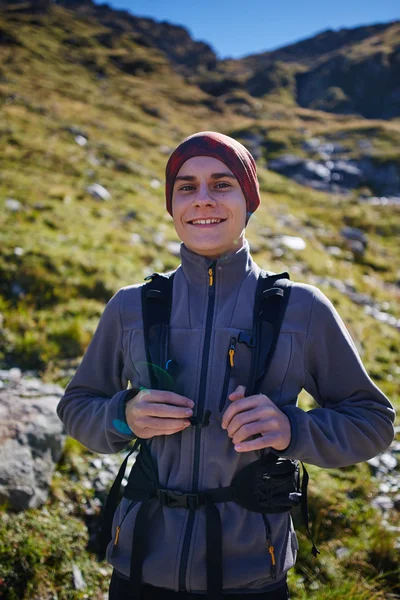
117,535
231,352
210,274
231,355
271,550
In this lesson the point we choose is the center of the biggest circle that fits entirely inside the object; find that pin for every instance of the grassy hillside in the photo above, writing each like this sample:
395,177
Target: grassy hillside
76,111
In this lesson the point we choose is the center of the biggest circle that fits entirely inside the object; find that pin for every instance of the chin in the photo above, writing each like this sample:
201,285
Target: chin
206,251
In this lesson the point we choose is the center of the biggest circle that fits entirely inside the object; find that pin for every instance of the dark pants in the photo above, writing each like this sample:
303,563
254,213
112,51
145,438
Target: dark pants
120,590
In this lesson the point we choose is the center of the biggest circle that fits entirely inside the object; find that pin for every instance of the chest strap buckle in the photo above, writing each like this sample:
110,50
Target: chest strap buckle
176,499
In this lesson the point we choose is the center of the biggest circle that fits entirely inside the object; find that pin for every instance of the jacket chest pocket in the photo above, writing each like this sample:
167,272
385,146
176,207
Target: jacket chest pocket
236,364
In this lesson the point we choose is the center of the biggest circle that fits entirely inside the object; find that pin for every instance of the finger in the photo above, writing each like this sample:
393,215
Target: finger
238,393
248,430
166,411
244,418
154,432
265,441
239,406
165,397
162,424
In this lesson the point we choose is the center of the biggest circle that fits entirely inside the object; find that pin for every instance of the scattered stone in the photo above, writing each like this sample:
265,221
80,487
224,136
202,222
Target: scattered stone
18,251
374,463
383,317
130,216
98,191
79,582
295,243
14,375
342,552
334,250
354,234
384,488
155,184
174,248
382,201
165,149
136,239
93,160
13,205
97,463
357,248
383,502
388,461
159,238
81,140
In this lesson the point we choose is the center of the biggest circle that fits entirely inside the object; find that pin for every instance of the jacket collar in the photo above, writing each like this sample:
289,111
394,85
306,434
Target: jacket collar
233,267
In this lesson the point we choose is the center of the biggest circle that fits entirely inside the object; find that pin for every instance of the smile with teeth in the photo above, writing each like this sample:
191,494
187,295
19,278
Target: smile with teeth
206,221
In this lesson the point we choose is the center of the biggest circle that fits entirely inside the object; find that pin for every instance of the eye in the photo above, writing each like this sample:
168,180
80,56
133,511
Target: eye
223,184
186,188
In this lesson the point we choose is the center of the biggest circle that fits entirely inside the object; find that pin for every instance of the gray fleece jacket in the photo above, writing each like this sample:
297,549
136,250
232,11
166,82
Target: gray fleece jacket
354,420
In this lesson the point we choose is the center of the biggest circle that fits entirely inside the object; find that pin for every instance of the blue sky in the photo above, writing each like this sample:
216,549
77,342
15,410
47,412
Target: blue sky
236,28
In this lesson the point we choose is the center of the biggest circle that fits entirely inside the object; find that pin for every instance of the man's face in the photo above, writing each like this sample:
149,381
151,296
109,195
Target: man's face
205,188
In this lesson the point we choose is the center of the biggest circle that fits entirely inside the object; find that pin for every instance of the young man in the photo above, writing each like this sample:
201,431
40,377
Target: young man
211,191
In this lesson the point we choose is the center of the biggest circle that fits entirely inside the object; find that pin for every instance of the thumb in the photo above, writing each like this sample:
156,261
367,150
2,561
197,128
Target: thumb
238,393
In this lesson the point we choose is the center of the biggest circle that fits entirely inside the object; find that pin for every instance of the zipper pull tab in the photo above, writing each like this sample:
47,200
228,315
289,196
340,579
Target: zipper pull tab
117,535
271,550
211,276
231,352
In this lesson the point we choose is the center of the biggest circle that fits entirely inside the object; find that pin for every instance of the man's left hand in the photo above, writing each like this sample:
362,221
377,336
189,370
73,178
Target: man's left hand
255,416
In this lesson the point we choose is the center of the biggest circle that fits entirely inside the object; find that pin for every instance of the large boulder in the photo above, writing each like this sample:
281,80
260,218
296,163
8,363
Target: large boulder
31,439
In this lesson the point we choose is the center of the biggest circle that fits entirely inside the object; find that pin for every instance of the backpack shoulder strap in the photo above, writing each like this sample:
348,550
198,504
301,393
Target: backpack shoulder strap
156,311
271,299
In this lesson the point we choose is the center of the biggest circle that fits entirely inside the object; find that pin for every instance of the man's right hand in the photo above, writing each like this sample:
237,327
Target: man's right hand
155,412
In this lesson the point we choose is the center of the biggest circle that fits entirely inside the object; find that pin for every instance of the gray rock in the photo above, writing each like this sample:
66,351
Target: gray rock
13,205
383,502
342,552
357,248
388,460
31,439
383,177
98,191
174,248
155,184
293,242
354,234
81,140
79,582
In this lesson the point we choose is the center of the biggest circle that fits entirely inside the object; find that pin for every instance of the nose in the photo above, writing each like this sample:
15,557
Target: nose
203,197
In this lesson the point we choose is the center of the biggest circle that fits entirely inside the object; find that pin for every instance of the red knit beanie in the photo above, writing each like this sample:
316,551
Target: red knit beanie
231,152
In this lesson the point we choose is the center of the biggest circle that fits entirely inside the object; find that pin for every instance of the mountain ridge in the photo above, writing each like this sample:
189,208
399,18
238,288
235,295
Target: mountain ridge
345,71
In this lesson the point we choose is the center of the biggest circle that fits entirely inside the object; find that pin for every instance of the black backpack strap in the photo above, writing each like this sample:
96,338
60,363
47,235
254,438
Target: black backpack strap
271,299
112,502
156,310
304,510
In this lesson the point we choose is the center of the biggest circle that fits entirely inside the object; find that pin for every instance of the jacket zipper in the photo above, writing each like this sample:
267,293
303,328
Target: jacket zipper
230,363
199,412
270,547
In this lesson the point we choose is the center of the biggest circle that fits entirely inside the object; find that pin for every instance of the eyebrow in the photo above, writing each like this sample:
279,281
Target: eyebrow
213,176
